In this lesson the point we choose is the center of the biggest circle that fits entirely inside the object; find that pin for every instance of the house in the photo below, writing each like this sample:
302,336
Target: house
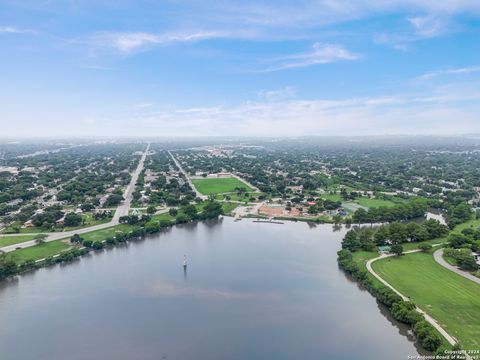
15,202
342,212
60,221
384,249
476,256
28,224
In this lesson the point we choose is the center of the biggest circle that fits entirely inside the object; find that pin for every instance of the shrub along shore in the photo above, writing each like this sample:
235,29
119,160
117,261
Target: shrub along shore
132,227
402,311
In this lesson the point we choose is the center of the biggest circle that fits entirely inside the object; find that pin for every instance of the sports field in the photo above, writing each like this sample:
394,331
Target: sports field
449,298
219,185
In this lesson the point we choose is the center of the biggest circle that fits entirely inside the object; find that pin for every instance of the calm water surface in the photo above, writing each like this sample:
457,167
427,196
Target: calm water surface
252,291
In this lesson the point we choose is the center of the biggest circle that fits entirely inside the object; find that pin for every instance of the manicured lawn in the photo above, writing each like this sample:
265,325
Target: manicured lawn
10,240
474,224
228,207
217,186
451,299
105,233
368,202
415,245
164,216
37,252
332,197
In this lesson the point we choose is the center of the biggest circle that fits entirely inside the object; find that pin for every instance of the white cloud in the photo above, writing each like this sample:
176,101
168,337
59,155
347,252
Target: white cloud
451,71
15,30
321,54
277,94
428,26
405,114
127,42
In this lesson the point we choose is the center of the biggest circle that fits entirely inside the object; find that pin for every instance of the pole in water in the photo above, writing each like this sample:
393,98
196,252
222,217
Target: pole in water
184,261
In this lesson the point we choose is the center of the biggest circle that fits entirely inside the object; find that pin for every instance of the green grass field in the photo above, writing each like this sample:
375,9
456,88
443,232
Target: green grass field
99,235
368,202
10,240
218,186
449,298
37,252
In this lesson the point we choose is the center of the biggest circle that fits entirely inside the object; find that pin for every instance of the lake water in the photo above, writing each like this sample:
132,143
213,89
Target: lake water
251,291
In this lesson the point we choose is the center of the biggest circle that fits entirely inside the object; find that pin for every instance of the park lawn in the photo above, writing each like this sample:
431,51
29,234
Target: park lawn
474,224
38,251
415,245
102,234
332,197
163,216
452,300
369,202
361,258
228,207
11,240
219,185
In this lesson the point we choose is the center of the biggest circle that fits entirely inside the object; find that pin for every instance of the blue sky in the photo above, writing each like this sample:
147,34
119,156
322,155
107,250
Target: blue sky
168,68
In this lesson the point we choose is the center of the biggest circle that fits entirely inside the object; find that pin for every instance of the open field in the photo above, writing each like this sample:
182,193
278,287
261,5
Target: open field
10,240
105,233
38,251
219,185
449,298
474,224
369,202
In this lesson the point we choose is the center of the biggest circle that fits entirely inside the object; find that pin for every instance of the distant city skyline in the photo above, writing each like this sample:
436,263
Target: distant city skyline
239,68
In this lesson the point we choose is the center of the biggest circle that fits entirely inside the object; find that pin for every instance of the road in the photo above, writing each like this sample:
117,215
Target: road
254,188
121,210
428,318
438,256
177,163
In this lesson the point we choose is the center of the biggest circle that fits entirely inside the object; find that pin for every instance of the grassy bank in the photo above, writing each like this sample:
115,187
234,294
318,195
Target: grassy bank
37,252
451,299
11,240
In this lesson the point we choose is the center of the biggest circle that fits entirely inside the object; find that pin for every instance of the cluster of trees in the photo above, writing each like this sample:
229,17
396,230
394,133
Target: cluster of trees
462,257
368,238
48,218
461,247
134,219
458,214
323,204
403,311
113,200
401,212
72,219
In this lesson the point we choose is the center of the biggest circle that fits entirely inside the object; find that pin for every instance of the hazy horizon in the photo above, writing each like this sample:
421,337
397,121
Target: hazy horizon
250,68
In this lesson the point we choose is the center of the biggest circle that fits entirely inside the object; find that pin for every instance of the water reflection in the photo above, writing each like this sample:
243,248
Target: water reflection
258,291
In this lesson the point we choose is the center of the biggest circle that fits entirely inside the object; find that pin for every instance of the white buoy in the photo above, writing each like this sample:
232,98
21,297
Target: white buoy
184,260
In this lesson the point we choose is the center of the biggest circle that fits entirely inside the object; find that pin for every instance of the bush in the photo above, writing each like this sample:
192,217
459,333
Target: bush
427,335
425,247
397,250
404,311
97,245
387,296
87,243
